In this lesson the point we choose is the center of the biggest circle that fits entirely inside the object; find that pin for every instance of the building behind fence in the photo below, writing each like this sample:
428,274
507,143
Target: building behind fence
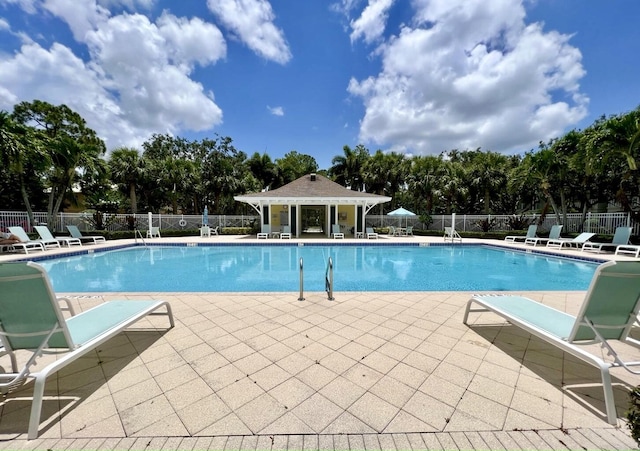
602,223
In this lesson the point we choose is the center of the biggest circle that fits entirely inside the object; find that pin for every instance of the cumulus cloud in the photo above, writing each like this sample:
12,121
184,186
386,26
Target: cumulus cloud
371,23
276,110
252,22
471,73
136,80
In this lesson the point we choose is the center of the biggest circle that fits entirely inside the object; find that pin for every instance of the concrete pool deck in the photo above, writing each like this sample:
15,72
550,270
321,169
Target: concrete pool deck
391,370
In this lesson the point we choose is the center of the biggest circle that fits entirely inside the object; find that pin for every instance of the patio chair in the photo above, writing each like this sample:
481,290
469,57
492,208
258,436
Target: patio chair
46,236
33,321
205,231
620,238
286,233
27,243
154,232
392,231
531,233
408,231
265,233
608,312
576,242
26,246
76,233
554,234
336,232
450,234
371,233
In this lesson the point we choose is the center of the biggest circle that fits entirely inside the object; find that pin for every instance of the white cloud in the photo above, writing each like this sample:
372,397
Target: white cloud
469,74
4,25
276,110
252,22
136,80
28,6
371,23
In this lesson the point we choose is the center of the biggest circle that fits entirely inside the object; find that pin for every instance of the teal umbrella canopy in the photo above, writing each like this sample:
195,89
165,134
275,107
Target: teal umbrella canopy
401,212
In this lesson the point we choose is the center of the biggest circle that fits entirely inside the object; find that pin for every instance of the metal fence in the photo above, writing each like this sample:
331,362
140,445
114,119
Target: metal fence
117,222
603,223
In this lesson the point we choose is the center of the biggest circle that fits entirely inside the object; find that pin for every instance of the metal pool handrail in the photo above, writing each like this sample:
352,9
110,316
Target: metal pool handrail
301,297
328,279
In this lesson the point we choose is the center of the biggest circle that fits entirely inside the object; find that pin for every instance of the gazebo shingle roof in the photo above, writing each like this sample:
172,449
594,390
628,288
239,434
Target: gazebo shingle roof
321,187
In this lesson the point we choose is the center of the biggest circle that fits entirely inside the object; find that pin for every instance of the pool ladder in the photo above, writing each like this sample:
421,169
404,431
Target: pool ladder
328,280
139,233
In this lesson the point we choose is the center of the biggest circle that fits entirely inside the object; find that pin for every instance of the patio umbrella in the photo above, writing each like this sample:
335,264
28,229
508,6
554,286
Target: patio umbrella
401,212
205,216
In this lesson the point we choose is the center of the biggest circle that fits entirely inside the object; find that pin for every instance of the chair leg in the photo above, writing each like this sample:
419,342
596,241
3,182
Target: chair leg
36,406
609,400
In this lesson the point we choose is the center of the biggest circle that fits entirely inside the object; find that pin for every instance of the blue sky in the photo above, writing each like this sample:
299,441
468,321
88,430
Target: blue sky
412,76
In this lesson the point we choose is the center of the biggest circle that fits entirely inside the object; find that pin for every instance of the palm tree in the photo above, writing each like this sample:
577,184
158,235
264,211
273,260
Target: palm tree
347,169
127,169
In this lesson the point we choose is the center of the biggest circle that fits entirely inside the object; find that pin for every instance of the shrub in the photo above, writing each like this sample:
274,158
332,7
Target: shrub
633,414
518,222
486,224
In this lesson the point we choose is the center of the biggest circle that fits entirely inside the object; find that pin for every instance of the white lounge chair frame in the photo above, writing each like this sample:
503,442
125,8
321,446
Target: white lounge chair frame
336,233
286,233
554,234
371,234
76,233
595,323
46,235
620,239
628,249
265,233
450,234
576,242
76,335
27,243
531,233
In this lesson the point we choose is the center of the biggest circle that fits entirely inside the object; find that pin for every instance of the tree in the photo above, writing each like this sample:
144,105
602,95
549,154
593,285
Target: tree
127,169
347,169
263,169
293,166
68,146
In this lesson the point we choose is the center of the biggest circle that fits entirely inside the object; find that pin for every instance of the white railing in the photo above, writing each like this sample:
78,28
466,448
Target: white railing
603,223
117,222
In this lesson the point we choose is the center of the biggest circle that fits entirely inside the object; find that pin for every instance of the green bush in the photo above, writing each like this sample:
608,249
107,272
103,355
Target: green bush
633,414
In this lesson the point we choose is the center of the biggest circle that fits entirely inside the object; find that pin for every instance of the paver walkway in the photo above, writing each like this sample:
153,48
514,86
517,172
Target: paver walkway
366,371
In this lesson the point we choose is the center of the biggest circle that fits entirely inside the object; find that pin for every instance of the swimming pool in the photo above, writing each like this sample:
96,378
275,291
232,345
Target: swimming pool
276,269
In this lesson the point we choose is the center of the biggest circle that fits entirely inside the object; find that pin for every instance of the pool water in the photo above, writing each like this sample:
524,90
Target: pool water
276,269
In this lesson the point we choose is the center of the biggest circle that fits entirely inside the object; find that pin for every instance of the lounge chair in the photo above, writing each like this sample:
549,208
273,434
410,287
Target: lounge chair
33,321
46,236
608,312
408,231
265,233
27,243
531,233
286,233
450,234
336,232
76,233
371,233
620,238
576,242
153,232
554,234
628,249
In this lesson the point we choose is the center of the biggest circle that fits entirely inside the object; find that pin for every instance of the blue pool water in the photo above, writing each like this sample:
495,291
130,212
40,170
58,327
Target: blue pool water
276,268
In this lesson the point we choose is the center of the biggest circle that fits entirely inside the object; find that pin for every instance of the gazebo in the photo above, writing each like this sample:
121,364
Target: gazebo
310,205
